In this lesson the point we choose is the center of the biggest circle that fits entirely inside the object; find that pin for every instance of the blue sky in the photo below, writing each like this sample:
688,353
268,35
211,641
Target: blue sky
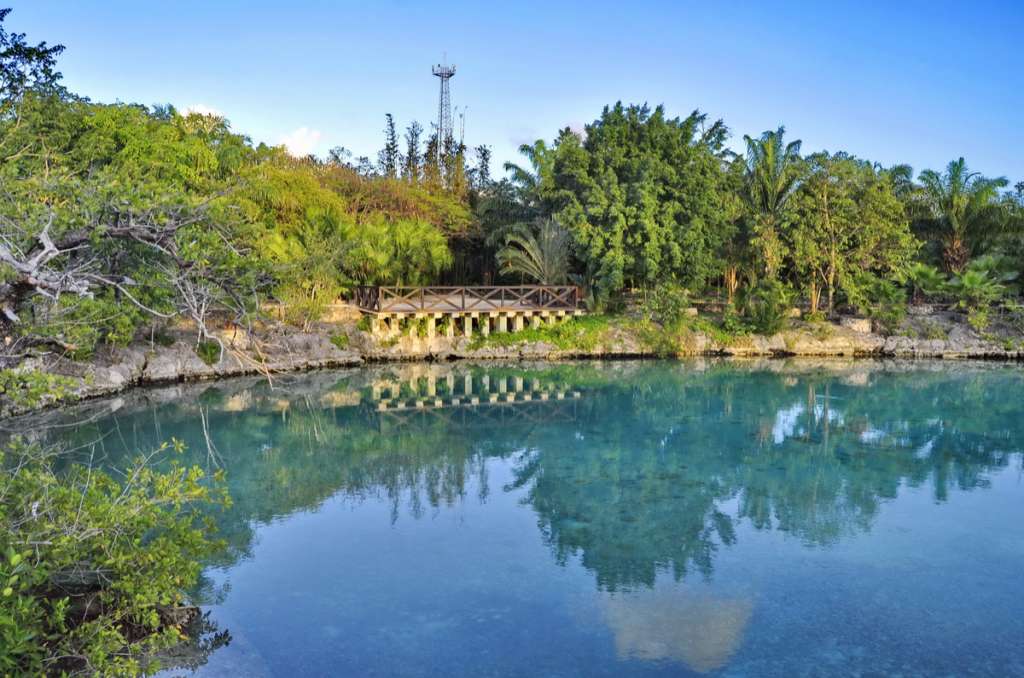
921,82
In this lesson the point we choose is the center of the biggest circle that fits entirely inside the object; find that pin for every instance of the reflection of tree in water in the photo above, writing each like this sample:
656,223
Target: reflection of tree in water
642,486
653,469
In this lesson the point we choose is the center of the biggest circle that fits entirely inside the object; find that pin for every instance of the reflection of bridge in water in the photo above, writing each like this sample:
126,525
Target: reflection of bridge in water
433,390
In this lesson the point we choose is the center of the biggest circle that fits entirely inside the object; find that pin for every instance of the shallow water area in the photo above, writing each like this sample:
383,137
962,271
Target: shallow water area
648,518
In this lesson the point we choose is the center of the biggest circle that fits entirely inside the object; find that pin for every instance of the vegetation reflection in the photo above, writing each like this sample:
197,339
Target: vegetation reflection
634,468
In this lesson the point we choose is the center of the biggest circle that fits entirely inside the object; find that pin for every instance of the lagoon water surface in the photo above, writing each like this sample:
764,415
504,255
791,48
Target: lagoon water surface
618,519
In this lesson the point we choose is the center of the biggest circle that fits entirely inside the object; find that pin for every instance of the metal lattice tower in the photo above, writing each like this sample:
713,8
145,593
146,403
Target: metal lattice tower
445,131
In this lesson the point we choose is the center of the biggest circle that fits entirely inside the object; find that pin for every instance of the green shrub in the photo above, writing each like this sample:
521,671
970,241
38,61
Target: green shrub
889,305
666,304
976,289
882,300
340,340
163,338
660,341
31,388
444,326
925,281
732,322
209,352
766,306
125,549
364,324
933,330
719,333
816,317
83,324
978,319
821,329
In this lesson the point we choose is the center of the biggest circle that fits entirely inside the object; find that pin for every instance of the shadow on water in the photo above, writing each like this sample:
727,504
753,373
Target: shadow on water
641,471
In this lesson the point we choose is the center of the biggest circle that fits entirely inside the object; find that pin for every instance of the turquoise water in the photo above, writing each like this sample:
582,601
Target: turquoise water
621,519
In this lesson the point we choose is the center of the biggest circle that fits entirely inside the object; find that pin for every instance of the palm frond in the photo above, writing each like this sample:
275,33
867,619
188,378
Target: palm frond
539,252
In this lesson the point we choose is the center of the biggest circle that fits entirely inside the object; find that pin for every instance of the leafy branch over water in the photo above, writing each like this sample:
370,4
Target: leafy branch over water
95,568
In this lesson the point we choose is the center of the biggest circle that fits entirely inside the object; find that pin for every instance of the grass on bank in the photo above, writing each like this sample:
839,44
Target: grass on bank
583,333
590,332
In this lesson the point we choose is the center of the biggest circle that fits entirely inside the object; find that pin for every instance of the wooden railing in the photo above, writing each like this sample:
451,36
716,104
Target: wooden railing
463,299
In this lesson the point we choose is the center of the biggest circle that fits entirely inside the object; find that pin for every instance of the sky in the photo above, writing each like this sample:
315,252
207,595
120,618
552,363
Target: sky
915,82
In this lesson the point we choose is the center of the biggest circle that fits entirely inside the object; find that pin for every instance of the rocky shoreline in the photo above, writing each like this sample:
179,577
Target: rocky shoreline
278,348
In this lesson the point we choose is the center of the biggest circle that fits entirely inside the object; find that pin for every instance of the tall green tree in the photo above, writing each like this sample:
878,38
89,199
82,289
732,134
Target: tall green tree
412,161
774,169
481,173
846,219
389,158
644,197
965,211
25,67
530,180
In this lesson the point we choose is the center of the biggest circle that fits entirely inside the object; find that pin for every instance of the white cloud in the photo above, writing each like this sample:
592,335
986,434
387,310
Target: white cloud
202,109
301,142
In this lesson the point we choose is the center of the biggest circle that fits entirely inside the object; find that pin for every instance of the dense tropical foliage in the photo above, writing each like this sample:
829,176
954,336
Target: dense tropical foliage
118,218
95,567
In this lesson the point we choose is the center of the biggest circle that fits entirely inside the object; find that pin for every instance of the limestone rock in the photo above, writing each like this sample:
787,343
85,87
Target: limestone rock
861,325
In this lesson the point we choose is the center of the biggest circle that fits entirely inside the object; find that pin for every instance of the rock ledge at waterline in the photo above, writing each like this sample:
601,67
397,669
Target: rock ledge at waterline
285,349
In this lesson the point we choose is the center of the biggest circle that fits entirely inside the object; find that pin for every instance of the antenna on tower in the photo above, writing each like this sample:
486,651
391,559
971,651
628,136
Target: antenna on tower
445,133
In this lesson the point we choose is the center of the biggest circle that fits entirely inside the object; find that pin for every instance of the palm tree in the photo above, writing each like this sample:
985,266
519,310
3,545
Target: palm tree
540,253
965,211
773,173
528,180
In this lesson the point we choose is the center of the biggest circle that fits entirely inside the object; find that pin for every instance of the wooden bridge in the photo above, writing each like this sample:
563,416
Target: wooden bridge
454,300
496,308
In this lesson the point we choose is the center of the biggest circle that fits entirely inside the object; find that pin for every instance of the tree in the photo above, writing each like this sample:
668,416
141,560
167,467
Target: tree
25,67
774,170
399,251
846,218
965,211
643,195
388,160
540,253
98,567
529,181
481,173
340,156
735,250
431,171
412,161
